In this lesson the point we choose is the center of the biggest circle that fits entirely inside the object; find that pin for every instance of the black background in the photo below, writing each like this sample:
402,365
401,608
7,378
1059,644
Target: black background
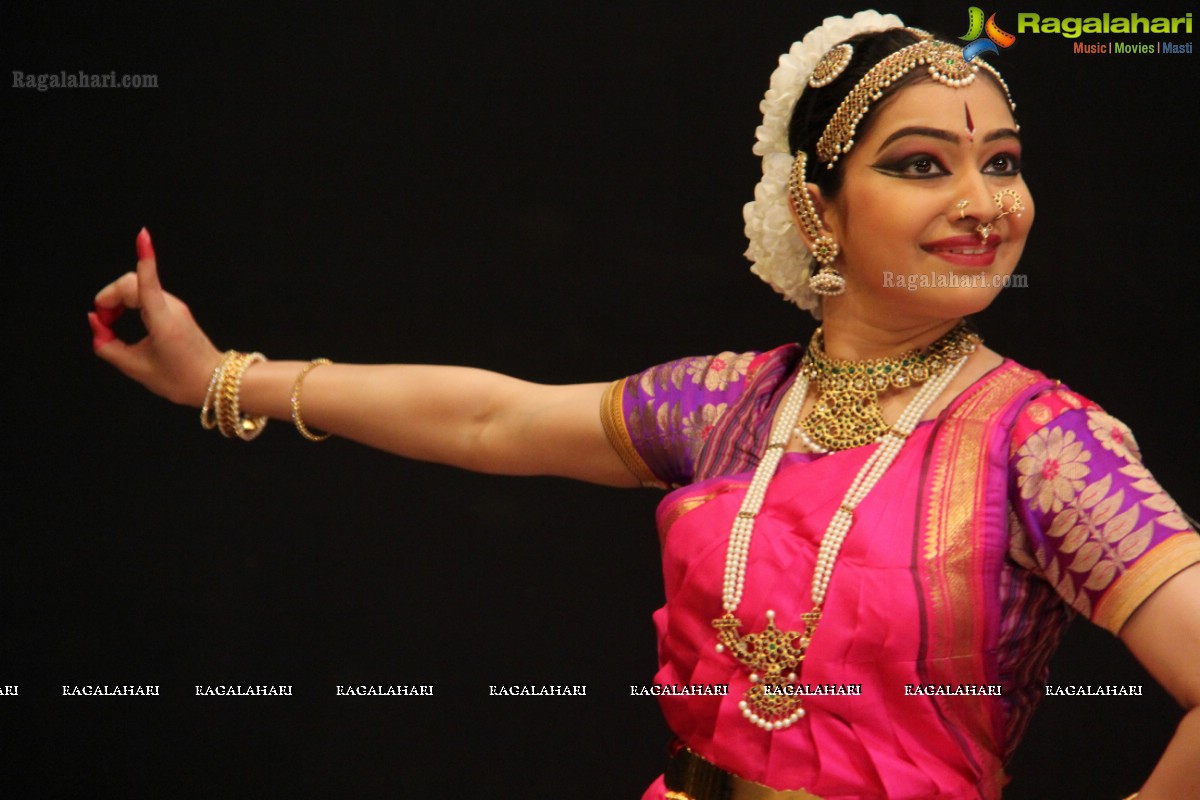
545,189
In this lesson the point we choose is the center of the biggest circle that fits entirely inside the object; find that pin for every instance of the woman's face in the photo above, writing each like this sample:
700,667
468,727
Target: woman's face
908,253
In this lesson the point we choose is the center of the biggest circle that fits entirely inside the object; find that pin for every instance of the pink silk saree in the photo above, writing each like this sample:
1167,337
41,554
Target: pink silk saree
944,580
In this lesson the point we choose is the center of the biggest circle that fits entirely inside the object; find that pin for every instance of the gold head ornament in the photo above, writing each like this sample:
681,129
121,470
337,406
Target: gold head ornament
945,64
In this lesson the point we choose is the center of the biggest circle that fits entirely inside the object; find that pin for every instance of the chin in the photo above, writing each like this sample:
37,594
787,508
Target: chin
949,304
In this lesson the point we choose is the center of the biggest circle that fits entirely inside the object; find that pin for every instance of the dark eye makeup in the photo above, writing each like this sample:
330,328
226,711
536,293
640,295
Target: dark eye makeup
917,166
923,166
1004,164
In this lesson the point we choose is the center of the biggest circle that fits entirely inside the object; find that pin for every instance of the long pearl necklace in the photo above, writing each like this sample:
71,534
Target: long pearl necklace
773,655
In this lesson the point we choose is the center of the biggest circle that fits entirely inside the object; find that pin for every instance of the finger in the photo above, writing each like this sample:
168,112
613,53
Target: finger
101,333
108,316
150,291
121,293
129,359
109,348
122,356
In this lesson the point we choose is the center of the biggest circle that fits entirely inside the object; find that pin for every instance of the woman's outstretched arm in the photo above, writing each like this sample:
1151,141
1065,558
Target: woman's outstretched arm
465,417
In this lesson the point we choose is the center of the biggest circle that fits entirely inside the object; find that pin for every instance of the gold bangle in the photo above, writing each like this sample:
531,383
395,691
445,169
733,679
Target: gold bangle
296,418
226,396
230,419
208,411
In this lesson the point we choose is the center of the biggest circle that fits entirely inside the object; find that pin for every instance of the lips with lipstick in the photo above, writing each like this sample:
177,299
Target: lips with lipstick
965,250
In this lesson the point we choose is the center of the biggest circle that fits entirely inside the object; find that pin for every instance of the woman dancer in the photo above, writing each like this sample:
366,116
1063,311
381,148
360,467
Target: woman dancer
875,540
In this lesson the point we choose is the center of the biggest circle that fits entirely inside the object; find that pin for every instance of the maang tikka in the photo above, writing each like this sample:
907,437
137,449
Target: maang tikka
827,281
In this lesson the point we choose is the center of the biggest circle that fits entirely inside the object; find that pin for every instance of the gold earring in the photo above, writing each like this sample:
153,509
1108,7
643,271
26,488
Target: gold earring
827,281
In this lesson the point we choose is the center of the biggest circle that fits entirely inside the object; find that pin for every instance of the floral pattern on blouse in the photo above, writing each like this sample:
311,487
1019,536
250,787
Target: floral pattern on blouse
1090,508
699,424
718,372
671,409
1113,435
1052,465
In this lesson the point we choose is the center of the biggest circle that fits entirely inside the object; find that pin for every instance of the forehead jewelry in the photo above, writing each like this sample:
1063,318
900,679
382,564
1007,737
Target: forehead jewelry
1007,202
832,64
774,656
946,65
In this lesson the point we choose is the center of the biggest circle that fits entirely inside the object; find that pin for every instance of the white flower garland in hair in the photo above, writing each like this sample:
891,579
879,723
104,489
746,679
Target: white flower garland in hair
779,255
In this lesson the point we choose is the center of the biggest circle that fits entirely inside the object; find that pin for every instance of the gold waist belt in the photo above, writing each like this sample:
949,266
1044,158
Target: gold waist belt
691,777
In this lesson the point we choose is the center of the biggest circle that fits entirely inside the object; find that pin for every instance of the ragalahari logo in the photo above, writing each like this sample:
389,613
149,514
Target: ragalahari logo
977,27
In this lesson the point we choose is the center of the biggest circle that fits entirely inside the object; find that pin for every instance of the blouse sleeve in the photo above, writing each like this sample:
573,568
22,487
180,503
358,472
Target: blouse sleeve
1100,529
658,420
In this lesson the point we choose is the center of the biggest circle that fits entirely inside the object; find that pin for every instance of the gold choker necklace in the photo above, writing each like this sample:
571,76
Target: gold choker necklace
846,412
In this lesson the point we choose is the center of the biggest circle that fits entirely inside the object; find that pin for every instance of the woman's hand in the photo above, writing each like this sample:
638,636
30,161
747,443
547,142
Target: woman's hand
469,418
175,359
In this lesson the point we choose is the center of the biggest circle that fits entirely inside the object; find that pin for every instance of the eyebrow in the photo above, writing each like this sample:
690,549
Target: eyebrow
946,136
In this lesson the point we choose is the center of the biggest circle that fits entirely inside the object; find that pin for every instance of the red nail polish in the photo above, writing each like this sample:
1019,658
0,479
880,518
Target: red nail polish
101,334
108,316
144,248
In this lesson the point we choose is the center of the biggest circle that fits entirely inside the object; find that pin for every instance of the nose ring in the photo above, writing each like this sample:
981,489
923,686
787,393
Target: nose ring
1001,200
1007,202
961,205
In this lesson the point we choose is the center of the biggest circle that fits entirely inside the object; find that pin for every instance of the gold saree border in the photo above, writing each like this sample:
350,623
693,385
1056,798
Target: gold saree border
1170,557
948,555
683,505
612,417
